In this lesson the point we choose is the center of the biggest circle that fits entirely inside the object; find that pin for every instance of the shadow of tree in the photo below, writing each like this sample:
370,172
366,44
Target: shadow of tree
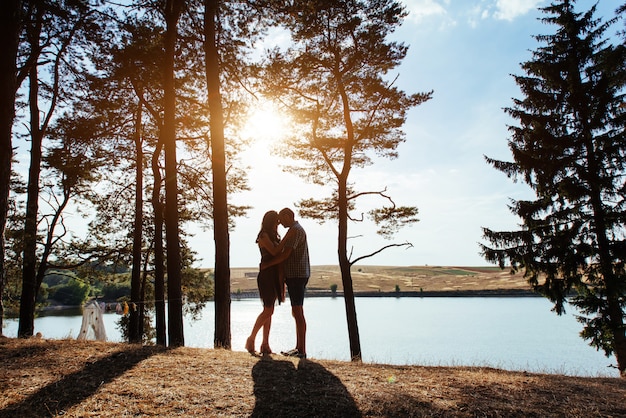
281,390
72,389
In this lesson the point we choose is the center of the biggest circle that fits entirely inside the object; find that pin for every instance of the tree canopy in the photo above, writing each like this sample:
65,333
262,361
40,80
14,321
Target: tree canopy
569,147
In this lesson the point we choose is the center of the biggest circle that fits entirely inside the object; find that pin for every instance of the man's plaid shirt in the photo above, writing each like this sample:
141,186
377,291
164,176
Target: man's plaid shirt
297,264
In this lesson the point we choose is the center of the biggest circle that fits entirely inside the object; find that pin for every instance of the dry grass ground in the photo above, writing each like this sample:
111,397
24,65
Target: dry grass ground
67,378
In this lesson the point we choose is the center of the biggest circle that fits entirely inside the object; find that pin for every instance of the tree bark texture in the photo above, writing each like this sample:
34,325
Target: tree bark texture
9,31
174,264
29,264
135,323
222,338
159,251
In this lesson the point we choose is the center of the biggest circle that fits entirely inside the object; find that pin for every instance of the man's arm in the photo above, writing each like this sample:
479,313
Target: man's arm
276,260
288,236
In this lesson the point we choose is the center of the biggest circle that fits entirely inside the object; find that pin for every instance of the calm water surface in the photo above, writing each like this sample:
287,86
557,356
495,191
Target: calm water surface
507,333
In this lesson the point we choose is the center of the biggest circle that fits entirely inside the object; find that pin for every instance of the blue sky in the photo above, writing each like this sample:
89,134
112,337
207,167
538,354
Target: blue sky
466,51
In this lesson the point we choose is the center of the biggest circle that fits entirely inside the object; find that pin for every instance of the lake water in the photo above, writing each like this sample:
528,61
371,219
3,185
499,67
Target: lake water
507,333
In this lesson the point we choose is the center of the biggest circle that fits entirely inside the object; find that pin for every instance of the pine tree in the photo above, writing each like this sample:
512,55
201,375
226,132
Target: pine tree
570,148
335,81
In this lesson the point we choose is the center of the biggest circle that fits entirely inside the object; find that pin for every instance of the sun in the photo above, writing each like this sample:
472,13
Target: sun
266,123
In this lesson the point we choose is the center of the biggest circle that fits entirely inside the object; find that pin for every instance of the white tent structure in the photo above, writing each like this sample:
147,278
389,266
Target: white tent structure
93,323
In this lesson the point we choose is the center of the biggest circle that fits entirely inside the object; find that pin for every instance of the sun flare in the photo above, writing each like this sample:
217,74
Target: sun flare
266,123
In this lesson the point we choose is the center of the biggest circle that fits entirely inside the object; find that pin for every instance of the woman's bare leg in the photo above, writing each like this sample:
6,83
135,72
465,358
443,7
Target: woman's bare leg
265,345
260,321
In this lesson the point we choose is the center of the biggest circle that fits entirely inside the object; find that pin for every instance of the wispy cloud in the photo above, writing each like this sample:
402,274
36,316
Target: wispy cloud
421,10
446,15
510,9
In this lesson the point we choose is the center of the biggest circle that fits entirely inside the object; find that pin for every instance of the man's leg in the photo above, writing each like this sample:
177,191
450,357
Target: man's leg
298,315
296,288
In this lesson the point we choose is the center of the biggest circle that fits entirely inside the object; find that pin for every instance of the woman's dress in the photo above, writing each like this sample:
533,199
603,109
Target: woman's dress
268,281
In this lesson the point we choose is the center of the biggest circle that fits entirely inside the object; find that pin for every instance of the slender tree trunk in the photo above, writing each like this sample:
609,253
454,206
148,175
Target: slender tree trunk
346,276
49,241
174,264
222,337
159,259
9,31
135,323
342,190
29,261
141,308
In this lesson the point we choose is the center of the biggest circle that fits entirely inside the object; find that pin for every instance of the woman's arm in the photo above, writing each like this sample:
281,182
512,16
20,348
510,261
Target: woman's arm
265,242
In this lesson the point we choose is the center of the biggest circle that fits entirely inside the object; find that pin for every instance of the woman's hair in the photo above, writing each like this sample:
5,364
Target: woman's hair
268,225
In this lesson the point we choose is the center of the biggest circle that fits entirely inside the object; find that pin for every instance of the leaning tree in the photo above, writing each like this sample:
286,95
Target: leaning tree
335,80
570,148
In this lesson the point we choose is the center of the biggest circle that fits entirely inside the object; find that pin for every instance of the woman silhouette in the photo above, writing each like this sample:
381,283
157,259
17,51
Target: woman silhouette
270,281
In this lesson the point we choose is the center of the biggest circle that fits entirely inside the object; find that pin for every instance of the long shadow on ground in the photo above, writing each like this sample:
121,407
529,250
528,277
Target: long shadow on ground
282,390
72,389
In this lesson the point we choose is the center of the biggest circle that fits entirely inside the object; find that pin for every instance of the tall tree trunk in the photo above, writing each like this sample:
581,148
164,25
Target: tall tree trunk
174,264
159,259
135,323
344,262
222,337
29,261
346,275
9,33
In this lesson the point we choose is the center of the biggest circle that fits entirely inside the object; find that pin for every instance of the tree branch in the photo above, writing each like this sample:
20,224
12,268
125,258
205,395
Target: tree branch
406,244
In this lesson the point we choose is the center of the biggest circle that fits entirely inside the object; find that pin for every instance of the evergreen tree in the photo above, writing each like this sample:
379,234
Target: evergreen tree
54,35
230,30
570,148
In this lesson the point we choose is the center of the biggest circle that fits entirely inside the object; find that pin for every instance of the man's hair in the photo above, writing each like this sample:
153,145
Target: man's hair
288,212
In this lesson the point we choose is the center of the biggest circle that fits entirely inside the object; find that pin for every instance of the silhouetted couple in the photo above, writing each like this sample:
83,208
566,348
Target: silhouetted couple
283,262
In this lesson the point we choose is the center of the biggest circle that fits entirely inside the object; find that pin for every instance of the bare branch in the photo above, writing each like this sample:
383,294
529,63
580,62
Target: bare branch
406,244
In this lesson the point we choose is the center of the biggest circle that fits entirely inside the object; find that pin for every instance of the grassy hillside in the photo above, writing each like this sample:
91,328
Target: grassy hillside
412,278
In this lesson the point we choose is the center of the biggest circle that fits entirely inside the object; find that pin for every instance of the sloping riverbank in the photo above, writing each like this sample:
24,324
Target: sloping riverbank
77,379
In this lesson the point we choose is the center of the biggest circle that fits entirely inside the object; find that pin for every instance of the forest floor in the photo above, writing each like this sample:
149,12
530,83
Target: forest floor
49,378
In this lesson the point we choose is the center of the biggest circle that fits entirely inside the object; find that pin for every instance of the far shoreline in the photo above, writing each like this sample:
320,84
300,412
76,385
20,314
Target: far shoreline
316,293
409,294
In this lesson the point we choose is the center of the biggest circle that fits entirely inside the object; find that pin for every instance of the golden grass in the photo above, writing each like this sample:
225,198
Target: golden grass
411,278
81,379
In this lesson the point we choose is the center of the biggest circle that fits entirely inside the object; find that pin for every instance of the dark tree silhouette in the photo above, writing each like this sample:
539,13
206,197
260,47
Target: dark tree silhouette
52,32
222,338
9,33
335,81
569,148
172,13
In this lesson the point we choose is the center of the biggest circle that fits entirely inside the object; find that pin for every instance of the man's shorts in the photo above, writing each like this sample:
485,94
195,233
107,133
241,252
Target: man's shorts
296,288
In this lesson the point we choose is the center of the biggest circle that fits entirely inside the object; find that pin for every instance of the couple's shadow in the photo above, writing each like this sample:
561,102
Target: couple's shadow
284,390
